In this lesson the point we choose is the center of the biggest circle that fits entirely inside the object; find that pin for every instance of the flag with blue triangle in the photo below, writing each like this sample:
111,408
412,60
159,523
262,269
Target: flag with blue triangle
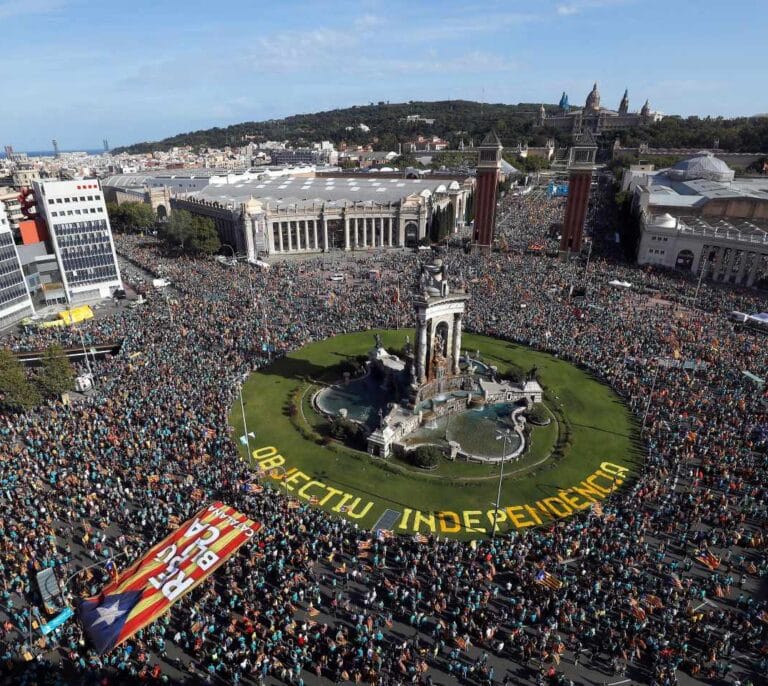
103,618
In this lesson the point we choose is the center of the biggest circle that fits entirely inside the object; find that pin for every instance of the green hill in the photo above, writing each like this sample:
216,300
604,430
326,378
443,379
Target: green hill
456,120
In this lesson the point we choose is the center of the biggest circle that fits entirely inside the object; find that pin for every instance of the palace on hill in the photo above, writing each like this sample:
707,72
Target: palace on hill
594,118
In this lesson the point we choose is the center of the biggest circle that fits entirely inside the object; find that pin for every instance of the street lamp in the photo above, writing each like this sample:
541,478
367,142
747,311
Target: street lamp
650,396
85,355
242,410
500,436
234,256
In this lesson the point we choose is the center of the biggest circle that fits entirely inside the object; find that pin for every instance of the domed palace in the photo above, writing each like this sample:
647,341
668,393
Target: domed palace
698,217
593,117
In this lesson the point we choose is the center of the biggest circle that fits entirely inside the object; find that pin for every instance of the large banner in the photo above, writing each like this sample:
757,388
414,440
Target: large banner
169,570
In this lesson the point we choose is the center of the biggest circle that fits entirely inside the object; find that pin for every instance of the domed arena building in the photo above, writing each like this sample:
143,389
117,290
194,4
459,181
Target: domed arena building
698,217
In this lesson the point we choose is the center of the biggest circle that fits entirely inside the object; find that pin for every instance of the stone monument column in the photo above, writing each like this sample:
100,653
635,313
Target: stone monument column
346,232
421,350
456,352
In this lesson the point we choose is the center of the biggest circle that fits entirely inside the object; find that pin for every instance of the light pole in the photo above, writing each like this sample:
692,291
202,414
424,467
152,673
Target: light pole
501,436
112,558
242,410
701,277
234,256
85,355
650,396
168,305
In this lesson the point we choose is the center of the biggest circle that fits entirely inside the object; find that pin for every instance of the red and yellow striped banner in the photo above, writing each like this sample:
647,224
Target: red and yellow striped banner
169,570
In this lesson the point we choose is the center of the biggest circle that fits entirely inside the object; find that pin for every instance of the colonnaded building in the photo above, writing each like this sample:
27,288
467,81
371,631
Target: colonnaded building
698,217
310,213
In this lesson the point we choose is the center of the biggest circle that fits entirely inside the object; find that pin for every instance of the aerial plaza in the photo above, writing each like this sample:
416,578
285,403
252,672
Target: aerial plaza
434,438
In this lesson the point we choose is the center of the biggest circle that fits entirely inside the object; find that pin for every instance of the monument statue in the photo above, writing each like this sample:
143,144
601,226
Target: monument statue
377,340
408,348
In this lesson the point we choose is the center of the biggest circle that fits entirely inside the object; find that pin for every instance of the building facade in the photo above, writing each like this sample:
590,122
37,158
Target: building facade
289,215
15,300
81,237
696,217
594,118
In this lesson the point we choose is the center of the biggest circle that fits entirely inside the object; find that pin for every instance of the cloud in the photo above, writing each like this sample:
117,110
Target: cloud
368,22
18,8
577,6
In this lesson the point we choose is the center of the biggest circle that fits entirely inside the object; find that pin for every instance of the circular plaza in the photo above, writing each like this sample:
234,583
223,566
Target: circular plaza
585,447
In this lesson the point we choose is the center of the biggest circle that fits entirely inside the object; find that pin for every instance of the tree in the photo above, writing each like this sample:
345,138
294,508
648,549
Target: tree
537,414
192,234
16,392
131,217
426,456
56,375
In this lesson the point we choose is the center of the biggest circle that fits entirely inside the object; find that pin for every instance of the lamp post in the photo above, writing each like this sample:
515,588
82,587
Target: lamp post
242,410
501,436
710,258
650,396
85,355
232,250
112,558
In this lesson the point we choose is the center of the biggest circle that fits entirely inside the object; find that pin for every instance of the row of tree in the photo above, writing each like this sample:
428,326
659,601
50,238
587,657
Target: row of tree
20,390
182,232
131,217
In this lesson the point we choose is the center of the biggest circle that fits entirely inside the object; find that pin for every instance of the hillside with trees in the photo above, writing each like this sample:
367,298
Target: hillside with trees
457,120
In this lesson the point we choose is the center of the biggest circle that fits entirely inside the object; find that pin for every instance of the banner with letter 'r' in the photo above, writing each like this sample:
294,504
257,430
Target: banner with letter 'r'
172,568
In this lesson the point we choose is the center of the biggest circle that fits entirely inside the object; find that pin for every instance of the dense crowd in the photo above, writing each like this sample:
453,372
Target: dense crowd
109,475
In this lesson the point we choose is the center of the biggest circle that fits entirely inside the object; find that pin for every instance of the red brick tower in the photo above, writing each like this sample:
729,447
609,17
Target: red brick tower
575,211
487,181
581,161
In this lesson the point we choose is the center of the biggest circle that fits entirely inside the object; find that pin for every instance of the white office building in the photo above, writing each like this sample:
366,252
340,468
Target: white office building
15,301
81,236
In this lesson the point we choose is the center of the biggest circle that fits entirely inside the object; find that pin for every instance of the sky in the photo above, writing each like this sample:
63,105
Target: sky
81,71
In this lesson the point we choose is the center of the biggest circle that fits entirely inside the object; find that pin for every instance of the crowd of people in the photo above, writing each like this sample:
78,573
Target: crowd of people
109,475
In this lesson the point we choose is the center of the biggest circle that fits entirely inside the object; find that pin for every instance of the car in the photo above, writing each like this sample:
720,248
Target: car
119,294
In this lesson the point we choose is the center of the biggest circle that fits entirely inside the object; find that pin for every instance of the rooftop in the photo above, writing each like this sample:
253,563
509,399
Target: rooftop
745,230
299,191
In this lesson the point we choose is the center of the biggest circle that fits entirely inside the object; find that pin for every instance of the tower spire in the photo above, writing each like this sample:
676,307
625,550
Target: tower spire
624,104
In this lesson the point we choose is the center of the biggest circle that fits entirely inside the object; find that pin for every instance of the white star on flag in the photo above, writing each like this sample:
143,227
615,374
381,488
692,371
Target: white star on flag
109,614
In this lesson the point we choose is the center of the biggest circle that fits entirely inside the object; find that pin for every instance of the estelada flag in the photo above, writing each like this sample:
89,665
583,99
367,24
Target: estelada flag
708,560
169,570
549,580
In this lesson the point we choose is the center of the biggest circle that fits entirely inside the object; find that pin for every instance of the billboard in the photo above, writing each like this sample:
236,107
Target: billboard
170,569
